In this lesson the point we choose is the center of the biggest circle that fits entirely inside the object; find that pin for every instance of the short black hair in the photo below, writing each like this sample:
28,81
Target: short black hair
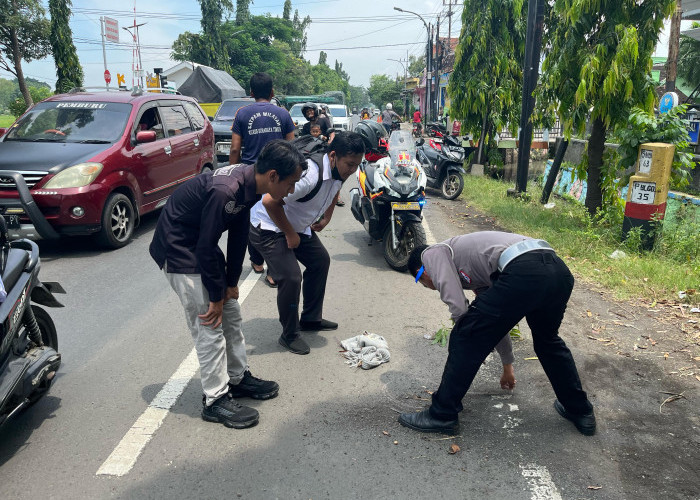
281,156
315,125
347,143
415,262
261,85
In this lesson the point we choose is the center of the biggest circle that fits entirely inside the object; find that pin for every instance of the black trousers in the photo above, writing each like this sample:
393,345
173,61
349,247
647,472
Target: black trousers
283,266
255,256
536,286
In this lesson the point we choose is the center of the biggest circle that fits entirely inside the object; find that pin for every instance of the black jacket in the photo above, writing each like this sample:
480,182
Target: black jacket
187,236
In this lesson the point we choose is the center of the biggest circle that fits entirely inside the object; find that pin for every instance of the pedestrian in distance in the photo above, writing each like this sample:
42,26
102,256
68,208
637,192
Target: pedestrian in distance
513,277
254,126
285,232
388,116
186,246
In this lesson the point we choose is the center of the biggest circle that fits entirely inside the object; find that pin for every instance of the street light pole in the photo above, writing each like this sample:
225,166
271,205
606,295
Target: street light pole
428,64
405,75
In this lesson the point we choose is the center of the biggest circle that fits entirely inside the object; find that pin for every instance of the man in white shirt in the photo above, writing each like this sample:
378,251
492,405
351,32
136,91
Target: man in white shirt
284,232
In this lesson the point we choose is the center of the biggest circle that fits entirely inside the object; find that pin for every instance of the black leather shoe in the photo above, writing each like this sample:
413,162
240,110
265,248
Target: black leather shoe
253,387
317,326
584,423
227,411
297,345
424,422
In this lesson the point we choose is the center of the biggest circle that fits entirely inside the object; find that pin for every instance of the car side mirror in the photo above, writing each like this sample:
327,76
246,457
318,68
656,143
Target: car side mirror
420,142
143,136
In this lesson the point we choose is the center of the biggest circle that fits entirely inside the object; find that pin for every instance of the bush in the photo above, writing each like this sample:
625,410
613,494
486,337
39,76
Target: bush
18,106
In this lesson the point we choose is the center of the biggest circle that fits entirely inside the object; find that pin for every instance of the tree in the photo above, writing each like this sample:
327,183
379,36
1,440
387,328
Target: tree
416,66
323,58
357,96
689,59
19,105
24,35
383,89
597,67
287,11
485,86
214,47
7,91
242,11
68,69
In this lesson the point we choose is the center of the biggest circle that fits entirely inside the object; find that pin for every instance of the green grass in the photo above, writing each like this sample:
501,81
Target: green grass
6,120
586,246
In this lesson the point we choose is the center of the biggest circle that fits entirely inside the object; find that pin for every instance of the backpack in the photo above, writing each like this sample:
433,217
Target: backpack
313,149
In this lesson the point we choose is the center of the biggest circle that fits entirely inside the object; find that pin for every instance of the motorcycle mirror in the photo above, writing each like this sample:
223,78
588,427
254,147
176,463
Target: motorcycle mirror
420,142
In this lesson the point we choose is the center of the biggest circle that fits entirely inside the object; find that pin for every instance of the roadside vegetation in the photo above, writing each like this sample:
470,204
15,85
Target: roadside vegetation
6,120
586,244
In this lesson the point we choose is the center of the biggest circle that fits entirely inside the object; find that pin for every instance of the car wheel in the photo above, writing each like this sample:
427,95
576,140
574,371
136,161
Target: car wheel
118,221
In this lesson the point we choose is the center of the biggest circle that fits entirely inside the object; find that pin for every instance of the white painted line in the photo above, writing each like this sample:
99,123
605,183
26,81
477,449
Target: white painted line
540,481
124,456
429,238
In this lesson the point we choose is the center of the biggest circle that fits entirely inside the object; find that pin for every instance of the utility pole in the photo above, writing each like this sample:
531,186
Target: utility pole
436,107
104,51
673,46
429,77
450,4
136,68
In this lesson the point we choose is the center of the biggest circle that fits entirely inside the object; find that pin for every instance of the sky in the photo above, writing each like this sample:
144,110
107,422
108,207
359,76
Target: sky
338,27
350,31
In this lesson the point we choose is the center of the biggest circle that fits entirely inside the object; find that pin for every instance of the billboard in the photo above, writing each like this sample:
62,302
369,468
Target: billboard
111,30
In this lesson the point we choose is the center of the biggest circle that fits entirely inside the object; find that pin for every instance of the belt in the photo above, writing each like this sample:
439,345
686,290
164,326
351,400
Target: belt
520,248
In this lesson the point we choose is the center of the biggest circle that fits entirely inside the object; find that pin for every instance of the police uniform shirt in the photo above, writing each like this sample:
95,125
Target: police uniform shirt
186,239
301,214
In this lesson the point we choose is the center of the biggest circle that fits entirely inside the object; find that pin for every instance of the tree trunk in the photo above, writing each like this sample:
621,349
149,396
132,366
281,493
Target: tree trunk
673,44
18,68
482,139
596,145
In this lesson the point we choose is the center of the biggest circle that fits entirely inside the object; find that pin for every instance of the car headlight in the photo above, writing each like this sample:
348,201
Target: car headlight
76,176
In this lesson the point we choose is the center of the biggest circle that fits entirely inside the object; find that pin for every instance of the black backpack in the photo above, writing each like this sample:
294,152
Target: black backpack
313,149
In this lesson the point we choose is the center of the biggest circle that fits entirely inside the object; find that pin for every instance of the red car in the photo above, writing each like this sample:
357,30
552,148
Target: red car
93,163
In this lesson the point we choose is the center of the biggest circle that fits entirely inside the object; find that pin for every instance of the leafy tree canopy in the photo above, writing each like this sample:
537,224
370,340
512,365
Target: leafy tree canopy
689,59
383,89
68,68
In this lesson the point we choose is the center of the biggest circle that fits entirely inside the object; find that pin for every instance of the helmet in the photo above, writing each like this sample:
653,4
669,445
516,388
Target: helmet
370,132
307,106
325,109
388,105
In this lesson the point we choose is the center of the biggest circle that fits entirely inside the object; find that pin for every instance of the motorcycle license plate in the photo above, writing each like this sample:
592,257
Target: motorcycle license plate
12,221
409,205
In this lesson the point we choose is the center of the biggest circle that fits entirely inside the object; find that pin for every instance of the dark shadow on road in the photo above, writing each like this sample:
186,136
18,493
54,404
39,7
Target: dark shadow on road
16,434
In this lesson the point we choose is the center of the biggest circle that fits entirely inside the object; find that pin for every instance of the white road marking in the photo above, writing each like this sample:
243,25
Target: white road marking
429,238
513,407
540,481
124,456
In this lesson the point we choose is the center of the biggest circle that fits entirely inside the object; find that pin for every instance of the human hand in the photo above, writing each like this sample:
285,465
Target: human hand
293,240
214,315
318,226
508,378
232,292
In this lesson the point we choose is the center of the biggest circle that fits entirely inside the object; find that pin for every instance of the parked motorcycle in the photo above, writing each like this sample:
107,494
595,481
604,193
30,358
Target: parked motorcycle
443,165
28,342
436,129
390,199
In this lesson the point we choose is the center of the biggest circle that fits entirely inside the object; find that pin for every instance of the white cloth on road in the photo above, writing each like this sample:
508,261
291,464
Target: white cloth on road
367,350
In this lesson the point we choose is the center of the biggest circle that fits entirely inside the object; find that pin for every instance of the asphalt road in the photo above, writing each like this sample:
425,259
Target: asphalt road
332,432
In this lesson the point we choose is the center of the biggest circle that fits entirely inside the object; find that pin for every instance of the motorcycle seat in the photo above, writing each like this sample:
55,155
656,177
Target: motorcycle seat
16,261
369,171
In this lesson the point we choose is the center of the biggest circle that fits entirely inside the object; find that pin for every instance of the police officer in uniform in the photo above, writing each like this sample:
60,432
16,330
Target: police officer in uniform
186,246
513,277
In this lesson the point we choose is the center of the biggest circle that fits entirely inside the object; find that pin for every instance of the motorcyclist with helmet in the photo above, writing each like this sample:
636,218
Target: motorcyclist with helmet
311,113
388,116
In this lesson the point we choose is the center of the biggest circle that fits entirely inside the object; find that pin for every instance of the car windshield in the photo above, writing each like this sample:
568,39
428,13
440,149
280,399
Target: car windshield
402,151
82,121
228,109
296,111
338,111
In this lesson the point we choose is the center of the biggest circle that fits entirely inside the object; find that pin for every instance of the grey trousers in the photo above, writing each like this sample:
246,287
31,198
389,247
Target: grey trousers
284,269
221,350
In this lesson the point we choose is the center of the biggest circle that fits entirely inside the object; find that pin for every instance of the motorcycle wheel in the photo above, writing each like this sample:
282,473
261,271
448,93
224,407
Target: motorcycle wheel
452,185
47,327
413,236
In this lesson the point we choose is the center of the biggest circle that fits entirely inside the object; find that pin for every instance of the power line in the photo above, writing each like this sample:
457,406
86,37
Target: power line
363,34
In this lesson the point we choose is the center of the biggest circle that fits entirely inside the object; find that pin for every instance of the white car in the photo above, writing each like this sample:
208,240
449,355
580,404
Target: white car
298,117
341,116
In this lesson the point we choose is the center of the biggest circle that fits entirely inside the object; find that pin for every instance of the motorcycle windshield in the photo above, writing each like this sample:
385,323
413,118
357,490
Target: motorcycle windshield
402,152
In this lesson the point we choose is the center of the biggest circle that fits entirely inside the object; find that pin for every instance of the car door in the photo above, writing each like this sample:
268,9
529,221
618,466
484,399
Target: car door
184,141
150,161
198,121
